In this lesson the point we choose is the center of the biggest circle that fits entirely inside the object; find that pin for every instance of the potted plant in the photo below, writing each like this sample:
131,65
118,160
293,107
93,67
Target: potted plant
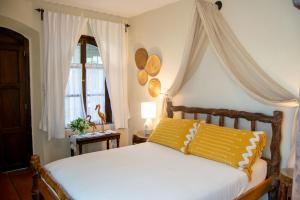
79,126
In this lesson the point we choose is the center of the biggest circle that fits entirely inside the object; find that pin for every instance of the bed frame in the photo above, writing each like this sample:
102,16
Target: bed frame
271,183
45,186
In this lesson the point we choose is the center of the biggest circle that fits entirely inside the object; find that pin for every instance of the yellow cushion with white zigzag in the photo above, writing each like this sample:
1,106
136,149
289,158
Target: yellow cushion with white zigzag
174,133
238,148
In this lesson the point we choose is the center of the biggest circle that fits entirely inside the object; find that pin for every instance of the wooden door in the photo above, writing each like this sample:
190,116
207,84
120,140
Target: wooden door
15,119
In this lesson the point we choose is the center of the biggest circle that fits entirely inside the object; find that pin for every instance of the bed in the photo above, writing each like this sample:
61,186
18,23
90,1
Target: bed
152,171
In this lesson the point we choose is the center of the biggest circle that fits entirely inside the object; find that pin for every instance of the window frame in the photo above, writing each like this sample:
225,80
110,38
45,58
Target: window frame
85,39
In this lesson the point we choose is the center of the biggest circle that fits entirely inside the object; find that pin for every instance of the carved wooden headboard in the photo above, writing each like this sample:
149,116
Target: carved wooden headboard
253,118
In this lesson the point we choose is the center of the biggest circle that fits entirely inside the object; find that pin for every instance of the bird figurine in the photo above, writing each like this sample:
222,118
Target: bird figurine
91,124
101,115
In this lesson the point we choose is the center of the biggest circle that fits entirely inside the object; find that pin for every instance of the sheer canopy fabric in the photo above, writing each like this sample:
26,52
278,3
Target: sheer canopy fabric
61,34
210,26
195,49
238,61
110,40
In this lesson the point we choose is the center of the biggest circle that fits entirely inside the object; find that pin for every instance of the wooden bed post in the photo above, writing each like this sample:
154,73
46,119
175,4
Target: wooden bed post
275,155
44,186
169,108
35,164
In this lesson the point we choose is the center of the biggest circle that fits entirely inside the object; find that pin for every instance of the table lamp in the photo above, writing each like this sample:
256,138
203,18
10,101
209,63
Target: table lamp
148,112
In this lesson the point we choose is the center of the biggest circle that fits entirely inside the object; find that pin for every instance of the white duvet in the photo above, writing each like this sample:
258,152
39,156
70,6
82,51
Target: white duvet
151,171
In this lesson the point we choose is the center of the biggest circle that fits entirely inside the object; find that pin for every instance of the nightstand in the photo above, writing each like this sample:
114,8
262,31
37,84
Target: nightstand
139,137
286,184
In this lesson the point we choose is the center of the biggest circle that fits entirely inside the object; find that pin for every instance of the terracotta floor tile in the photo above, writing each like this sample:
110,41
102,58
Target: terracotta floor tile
22,181
7,190
16,185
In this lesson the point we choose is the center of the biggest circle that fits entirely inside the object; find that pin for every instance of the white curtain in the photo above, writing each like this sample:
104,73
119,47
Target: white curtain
110,40
61,35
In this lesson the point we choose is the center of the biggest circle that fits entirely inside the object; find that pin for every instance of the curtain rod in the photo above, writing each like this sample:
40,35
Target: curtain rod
41,11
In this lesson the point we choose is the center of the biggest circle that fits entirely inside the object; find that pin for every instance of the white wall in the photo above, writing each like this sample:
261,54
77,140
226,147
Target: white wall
163,32
268,29
20,16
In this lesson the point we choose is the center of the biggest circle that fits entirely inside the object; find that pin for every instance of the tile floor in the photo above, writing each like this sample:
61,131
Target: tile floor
16,185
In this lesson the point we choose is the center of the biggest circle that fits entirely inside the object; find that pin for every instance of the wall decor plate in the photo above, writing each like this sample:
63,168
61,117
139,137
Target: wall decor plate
154,87
141,57
142,77
153,65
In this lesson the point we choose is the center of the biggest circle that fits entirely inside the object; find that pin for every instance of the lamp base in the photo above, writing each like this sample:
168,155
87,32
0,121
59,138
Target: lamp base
148,127
147,132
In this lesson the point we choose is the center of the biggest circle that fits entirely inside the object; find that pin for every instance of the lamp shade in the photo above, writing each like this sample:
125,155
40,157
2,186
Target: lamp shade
148,110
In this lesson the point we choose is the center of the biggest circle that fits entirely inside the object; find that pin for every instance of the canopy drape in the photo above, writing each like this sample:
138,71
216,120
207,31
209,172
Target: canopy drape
61,35
194,52
210,27
110,39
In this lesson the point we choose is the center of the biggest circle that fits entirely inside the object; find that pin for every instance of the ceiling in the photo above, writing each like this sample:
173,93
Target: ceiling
123,8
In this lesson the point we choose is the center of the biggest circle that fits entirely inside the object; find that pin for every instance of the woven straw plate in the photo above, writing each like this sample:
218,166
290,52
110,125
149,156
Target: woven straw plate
141,57
142,77
154,87
153,65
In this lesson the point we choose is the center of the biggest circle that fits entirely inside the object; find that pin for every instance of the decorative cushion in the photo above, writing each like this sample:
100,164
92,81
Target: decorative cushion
238,148
174,133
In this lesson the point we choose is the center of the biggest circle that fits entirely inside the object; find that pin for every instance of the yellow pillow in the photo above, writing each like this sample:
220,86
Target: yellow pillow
238,148
174,133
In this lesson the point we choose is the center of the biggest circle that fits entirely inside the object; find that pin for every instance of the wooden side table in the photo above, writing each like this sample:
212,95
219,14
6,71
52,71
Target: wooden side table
101,138
286,184
139,137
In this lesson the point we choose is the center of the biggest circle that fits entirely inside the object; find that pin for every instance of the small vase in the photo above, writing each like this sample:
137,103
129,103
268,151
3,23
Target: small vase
82,132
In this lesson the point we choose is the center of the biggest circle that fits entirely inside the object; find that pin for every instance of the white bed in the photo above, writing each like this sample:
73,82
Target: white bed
151,171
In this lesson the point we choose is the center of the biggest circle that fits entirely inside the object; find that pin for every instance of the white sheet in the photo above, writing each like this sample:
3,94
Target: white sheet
150,171
259,173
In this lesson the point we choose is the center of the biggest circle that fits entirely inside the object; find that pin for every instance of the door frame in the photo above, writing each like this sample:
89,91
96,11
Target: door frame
23,41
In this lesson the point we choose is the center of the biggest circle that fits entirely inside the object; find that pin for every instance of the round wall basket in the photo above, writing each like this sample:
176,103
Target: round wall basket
154,87
141,57
153,65
142,77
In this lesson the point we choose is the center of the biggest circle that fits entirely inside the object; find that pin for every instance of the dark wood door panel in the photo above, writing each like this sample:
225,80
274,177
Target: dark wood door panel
8,39
11,109
16,150
15,122
9,66
2,167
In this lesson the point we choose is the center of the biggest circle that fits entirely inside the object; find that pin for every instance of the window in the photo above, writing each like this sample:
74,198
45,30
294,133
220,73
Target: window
86,85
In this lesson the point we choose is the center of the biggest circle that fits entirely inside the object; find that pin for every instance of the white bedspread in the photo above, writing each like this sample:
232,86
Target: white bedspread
150,171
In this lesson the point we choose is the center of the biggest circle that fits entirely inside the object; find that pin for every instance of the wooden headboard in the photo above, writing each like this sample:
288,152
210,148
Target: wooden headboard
253,118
